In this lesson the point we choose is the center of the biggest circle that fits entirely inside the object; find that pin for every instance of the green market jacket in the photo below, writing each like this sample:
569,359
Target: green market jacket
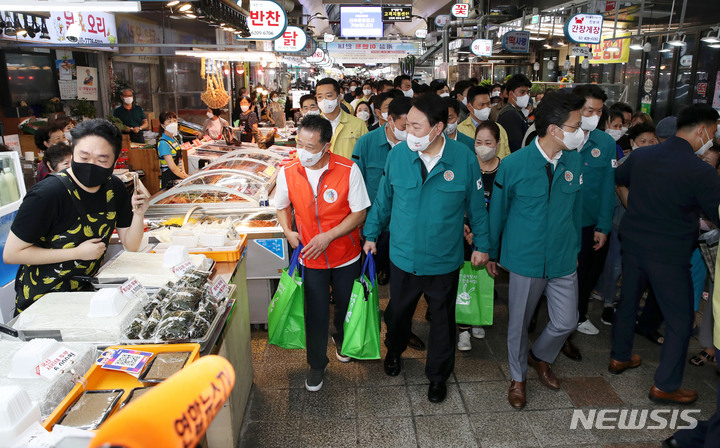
598,169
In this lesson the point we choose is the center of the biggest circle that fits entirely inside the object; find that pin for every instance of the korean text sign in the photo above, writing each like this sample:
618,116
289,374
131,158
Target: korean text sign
584,28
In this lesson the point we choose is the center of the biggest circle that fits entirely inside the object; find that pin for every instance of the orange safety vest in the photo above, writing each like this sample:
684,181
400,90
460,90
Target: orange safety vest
317,214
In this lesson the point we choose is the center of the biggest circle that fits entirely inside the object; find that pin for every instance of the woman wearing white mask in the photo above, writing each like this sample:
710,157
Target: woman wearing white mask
641,135
214,124
169,152
275,112
248,119
362,111
510,116
440,88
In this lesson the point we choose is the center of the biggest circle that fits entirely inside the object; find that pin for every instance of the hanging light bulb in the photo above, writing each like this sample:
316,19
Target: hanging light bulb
185,7
566,64
585,64
710,39
31,26
677,41
172,3
19,30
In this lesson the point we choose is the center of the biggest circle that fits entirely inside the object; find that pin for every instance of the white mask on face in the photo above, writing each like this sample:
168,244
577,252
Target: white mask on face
363,115
312,112
494,94
444,95
485,153
384,115
209,114
464,101
615,133
400,135
482,114
328,106
590,123
352,88
624,129
127,99
525,111
171,129
408,93
308,159
420,143
572,140
244,108
451,128
68,136
705,145
275,100
367,92
522,101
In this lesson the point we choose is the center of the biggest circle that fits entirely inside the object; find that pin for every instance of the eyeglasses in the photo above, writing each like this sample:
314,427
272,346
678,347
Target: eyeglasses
574,128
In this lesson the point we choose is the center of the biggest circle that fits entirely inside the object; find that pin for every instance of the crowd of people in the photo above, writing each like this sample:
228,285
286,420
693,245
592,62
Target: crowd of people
567,193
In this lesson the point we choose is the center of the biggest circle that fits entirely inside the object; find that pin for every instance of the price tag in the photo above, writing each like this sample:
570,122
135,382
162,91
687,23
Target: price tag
125,360
196,142
131,287
56,363
269,171
180,269
219,289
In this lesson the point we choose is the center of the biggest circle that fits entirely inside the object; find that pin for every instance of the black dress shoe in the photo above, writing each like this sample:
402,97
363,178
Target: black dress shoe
670,442
437,392
415,342
383,278
572,352
392,365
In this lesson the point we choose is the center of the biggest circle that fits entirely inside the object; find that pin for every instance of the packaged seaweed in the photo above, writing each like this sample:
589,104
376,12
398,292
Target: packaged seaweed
134,330
175,325
151,325
200,327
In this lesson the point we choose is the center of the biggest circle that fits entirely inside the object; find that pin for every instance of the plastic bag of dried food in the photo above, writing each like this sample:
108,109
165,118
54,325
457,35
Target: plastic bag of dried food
183,299
134,330
151,325
175,325
195,278
200,327
150,306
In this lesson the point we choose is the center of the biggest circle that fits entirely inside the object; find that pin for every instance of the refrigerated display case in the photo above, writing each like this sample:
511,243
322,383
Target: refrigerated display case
12,192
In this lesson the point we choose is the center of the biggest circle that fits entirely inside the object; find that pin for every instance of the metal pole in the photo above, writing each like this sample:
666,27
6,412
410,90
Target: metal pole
445,44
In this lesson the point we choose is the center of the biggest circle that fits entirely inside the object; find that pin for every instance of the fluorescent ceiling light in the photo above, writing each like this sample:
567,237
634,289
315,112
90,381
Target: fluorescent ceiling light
70,6
677,42
710,39
714,45
246,56
173,2
613,50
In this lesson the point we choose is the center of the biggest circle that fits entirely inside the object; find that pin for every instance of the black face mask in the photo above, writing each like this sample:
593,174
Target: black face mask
89,174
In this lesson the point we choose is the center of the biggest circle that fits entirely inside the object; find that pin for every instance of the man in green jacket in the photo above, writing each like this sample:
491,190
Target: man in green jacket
537,209
598,155
430,184
346,127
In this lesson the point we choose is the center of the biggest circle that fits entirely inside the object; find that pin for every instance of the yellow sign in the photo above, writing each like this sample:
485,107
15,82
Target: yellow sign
603,53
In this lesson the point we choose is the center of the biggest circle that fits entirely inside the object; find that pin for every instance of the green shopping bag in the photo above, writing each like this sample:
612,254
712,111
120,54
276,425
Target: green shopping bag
362,320
474,303
286,313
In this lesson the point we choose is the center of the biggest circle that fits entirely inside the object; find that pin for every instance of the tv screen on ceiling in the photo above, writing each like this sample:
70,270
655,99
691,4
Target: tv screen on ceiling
361,21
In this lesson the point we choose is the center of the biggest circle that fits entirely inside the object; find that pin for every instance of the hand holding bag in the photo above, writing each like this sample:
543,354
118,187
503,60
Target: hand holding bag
286,313
362,321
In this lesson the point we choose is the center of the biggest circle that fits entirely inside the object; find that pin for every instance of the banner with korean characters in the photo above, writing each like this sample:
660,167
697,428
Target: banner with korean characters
601,55
584,28
516,41
460,10
481,47
267,20
397,13
376,51
95,28
293,40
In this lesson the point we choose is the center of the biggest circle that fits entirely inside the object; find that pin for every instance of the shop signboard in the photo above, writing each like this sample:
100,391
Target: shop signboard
516,41
581,51
460,10
376,51
91,28
87,83
584,28
601,55
482,47
361,21
442,20
316,57
293,40
267,20
397,13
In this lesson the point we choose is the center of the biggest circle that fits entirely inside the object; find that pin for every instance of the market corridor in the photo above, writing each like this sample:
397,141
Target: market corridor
360,406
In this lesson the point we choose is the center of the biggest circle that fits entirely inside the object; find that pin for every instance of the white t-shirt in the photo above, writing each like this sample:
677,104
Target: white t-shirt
335,122
358,198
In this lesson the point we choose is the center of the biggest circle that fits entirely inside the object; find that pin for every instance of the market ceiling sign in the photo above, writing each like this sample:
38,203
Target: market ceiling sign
80,28
293,40
482,47
461,10
375,51
516,41
267,20
316,57
584,28
397,13
611,52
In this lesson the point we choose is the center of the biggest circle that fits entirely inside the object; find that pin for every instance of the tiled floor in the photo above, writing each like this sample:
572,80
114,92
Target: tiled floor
360,406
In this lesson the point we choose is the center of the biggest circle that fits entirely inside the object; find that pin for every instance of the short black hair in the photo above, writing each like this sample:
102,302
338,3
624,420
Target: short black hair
499,86
517,80
42,135
368,83
319,124
474,81
475,91
432,107
56,154
590,91
614,113
640,128
216,112
307,97
452,103
623,108
421,88
696,114
329,82
397,82
399,106
555,109
384,82
460,87
438,84
382,97
61,121
490,126
99,128
164,117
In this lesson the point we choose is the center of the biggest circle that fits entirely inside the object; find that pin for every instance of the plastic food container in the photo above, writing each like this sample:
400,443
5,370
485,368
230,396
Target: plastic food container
107,302
184,238
17,412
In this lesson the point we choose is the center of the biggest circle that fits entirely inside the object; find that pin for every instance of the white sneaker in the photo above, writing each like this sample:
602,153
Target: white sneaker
464,341
478,332
587,328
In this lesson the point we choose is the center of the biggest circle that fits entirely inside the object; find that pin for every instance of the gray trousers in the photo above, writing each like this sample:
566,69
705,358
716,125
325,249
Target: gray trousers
524,294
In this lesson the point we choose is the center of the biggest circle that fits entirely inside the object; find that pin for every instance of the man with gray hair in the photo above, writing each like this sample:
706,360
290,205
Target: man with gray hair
132,116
